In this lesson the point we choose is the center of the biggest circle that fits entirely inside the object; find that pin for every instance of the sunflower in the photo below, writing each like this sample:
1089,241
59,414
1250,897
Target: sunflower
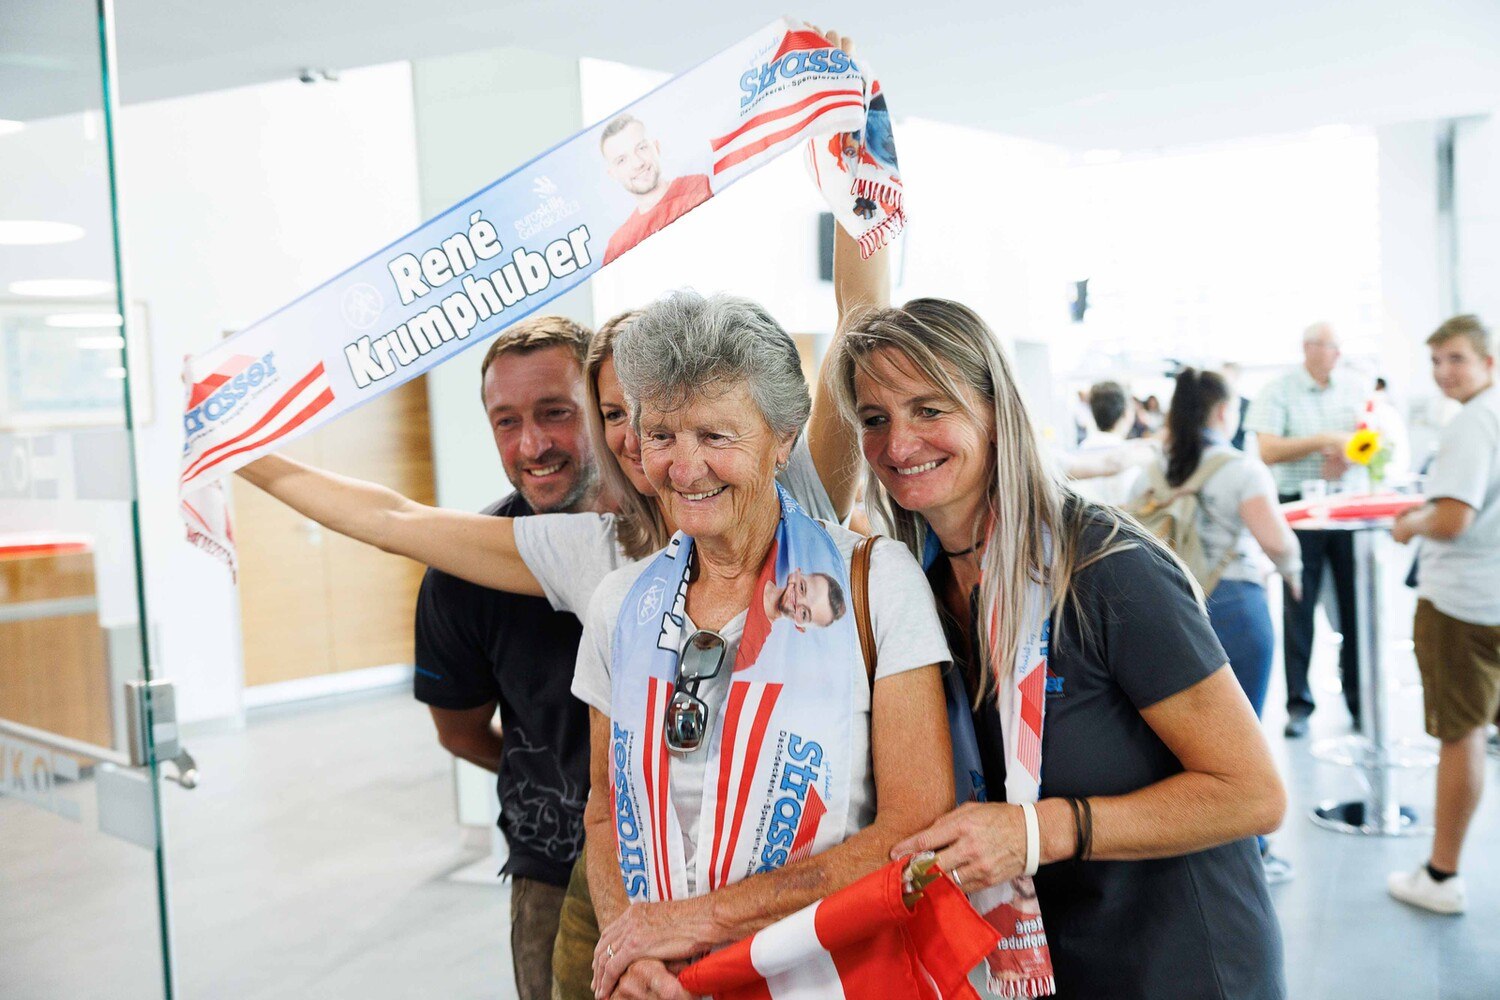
1363,446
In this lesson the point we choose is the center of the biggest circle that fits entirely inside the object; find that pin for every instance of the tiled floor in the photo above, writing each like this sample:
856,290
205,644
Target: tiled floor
312,862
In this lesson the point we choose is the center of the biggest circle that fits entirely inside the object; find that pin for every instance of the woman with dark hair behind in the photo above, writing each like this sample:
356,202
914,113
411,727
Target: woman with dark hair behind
1237,510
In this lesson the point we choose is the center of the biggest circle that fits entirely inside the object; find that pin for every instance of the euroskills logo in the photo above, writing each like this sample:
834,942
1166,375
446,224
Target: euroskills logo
650,602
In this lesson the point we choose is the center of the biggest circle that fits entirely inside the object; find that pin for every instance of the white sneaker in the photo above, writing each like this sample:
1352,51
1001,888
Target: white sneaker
1417,888
1279,870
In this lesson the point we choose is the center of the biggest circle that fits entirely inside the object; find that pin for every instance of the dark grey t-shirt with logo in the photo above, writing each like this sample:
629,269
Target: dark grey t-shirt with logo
1195,927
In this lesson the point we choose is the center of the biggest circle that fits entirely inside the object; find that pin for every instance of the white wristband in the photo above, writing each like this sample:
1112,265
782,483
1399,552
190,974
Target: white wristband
1033,838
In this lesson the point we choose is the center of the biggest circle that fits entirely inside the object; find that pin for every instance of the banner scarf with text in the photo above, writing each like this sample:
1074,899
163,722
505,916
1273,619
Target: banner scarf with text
541,230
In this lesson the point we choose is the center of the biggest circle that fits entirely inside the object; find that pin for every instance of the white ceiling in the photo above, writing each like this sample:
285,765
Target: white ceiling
1083,73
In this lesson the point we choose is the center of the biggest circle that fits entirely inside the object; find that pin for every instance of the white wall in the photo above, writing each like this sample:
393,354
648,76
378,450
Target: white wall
234,203
1477,207
985,226
536,101
980,230
1413,295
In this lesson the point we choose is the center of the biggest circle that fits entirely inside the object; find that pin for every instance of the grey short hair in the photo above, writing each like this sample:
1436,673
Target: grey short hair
1319,329
682,345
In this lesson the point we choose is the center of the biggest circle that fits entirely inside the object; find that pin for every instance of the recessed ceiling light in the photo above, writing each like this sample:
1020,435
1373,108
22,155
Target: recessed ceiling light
1331,132
61,288
7,126
83,321
26,232
99,343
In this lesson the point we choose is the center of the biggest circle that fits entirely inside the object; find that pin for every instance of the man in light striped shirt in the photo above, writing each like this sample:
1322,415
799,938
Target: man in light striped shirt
1303,421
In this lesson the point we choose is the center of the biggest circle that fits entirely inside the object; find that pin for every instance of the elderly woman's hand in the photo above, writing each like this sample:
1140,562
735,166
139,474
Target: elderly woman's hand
675,930
979,844
649,979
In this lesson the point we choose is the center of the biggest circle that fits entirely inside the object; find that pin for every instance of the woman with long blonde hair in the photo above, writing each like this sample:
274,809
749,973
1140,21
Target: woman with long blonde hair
1100,738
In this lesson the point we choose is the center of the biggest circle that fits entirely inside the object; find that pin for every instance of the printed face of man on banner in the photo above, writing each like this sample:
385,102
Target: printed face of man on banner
631,156
805,599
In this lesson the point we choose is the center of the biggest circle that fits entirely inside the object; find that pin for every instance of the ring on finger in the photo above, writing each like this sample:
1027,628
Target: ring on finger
609,952
957,879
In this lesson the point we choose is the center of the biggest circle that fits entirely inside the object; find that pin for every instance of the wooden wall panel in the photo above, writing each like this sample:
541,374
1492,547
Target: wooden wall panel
373,594
312,602
54,672
282,584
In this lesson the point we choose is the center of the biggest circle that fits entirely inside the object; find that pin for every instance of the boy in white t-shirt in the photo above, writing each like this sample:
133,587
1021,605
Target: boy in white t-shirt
1457,628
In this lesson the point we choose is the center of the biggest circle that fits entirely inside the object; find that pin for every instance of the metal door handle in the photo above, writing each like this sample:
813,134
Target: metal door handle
187,769
157,701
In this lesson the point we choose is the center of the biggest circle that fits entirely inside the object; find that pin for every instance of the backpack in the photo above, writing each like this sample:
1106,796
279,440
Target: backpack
1171,514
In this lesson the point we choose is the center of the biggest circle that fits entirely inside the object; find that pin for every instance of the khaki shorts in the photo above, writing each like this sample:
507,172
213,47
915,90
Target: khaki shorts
1460,664
577,936
534,910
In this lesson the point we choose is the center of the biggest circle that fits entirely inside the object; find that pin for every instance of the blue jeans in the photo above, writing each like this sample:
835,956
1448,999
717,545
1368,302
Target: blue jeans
1241,619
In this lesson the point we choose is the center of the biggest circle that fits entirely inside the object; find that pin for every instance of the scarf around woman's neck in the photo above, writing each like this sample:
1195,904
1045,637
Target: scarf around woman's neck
1021,965
779,763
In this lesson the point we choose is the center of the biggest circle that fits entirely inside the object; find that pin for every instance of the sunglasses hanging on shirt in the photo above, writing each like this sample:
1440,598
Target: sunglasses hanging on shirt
686,721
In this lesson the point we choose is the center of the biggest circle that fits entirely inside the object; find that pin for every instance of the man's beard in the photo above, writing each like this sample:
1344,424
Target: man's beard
581,490
651,183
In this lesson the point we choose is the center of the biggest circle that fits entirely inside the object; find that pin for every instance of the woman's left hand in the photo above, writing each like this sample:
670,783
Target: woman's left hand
1402,530
979,844
665,931
648,979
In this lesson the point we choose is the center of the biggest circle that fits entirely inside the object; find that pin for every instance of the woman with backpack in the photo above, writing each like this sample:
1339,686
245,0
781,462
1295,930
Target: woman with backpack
1214,505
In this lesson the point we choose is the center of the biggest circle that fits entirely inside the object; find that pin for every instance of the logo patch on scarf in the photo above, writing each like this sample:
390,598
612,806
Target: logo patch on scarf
799,809
650,602
627,826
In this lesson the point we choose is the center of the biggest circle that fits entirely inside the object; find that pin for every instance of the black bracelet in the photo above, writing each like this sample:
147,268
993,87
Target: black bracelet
1077,812
1088,830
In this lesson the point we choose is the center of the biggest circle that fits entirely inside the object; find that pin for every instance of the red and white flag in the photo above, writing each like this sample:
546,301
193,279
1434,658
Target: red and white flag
859,943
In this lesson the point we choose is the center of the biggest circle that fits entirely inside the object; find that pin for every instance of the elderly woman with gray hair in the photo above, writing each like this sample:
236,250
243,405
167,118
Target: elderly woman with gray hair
744,762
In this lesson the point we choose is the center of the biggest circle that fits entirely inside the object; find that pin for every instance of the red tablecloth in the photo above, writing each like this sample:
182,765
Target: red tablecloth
1351,507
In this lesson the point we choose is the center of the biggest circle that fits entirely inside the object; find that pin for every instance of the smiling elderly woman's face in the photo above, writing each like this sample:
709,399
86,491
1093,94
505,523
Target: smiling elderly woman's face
711,461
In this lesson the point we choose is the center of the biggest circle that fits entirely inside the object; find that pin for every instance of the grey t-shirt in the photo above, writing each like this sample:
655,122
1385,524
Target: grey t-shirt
570,553
1220,526
1195,927
1462,577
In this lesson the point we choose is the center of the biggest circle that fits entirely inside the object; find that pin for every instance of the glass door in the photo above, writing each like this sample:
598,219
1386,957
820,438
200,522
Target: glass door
86,737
